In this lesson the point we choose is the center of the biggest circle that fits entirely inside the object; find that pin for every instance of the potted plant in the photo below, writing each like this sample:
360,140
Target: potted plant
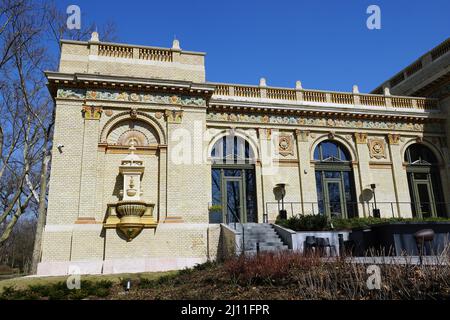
215,213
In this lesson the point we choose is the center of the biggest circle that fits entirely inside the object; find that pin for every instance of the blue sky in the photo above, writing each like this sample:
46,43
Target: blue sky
325,44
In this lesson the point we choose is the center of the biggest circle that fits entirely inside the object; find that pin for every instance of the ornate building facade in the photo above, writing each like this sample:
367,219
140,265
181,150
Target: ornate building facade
149,157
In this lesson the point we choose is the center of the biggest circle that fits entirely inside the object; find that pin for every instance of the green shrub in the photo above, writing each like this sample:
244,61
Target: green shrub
306,223
59,291
322,223
146,283
215,208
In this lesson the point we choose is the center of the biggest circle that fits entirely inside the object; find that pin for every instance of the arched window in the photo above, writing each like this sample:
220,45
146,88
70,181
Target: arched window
232,149
424,182
331,151
233,181
334,180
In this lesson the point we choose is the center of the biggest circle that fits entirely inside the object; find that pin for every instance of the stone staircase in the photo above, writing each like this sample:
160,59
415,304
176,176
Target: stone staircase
262,233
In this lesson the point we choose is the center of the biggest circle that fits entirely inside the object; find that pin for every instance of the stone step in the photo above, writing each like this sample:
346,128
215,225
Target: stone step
263,234
267,245
265,239
253,251
261,241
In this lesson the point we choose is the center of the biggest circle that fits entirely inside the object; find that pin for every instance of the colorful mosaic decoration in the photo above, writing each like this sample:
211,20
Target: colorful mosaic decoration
112,95
321,122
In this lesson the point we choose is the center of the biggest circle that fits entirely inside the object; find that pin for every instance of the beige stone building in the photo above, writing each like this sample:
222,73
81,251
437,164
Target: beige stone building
149,157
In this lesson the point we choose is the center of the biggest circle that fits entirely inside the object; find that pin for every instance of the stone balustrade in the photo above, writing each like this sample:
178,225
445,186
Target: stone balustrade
118,51
342,98
118,59
416,66
115,51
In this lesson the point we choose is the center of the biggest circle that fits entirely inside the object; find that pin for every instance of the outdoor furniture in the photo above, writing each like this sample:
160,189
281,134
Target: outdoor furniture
310,244
323,244
422,237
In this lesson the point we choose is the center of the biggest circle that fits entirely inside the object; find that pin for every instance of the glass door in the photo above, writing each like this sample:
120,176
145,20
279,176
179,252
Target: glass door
334,198
233,194
233,210
425,206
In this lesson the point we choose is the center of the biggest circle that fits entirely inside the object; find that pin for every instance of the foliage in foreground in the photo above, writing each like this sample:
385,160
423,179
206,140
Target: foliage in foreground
59,291
283,275
322,223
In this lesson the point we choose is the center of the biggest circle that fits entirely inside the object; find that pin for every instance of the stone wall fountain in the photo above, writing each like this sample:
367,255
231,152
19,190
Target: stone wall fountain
130,215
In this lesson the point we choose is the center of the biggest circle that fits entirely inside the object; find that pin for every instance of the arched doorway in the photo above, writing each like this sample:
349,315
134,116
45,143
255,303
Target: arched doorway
424,182
234,180
334,180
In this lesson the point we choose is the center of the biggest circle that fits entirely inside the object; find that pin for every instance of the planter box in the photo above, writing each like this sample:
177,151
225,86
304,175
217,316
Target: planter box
296,239
215,217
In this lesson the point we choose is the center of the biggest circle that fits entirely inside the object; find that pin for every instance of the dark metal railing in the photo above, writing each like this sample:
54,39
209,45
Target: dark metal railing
358,209
230,222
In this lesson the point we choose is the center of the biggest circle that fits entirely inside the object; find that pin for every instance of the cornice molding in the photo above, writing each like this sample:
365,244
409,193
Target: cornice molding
83,80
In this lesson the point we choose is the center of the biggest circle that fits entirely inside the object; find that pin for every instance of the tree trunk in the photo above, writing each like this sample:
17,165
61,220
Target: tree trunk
42,214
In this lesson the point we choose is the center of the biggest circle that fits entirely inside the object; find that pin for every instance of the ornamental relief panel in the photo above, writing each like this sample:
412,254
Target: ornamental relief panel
136,131
115,95
377,148
320,122
285,144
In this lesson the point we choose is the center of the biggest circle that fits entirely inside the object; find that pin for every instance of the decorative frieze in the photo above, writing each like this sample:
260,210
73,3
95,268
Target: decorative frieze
92,113
310,121
377,148
124,96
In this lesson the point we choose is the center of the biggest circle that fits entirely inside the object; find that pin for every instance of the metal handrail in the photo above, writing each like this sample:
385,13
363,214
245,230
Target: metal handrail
302,208
242,226
240,223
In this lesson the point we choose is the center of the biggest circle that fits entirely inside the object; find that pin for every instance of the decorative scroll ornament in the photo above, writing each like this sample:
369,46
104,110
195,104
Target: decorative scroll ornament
265,134
302,135
361,137
92,113
393,138
174,116
377,148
